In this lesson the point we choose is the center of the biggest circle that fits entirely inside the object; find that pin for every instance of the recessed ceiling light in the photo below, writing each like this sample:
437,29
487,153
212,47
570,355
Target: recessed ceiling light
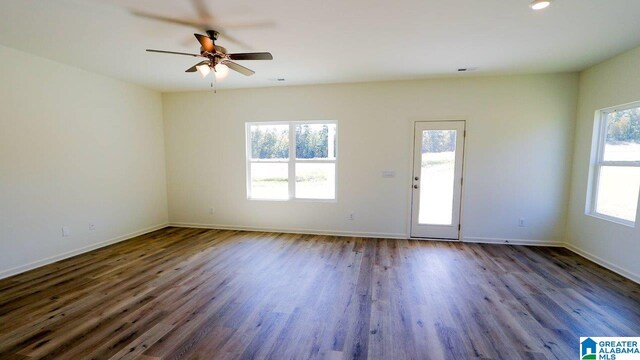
540,4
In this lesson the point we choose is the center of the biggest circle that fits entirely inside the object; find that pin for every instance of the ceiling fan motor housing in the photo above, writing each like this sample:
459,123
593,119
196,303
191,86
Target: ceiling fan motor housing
213,34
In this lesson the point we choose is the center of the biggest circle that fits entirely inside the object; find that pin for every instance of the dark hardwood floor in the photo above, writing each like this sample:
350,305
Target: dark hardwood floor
209,294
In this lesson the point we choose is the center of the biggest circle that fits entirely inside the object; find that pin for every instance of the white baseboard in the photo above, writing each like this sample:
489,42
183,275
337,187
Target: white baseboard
293,231
68,254
525,242
470,239
366,234
604,263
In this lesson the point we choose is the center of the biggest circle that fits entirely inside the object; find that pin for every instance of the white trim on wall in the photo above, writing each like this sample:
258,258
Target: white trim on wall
293,231
409,192
52,259
376,235
525,242
467,239
598,162
291,161
480,240
604,263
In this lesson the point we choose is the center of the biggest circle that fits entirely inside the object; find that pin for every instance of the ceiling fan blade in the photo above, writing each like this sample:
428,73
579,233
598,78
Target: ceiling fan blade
194,67
235,40
239,68
206,22
206,42
247,25
251,56
202,9
173,52
195,24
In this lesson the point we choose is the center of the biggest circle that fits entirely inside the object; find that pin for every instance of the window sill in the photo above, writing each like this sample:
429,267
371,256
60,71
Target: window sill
612,219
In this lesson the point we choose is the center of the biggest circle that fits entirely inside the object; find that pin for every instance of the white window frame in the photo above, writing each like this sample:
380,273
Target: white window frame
292,160
597,162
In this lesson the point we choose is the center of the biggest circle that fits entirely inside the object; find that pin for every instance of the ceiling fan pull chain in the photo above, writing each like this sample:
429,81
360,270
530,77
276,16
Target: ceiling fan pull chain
214,82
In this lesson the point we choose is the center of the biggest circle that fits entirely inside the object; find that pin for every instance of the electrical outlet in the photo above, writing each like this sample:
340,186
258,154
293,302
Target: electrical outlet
521,222
351,216
92,227
66,231
212,210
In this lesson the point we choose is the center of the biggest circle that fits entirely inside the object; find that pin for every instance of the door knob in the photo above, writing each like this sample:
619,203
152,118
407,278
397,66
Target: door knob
415,186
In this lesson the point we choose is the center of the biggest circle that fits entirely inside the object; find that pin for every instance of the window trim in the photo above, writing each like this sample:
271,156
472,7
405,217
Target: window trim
597,162
291,162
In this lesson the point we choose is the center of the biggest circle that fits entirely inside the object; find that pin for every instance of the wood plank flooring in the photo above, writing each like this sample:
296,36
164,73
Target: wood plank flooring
213,294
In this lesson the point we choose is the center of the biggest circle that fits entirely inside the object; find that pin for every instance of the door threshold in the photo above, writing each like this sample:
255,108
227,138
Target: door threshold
433,239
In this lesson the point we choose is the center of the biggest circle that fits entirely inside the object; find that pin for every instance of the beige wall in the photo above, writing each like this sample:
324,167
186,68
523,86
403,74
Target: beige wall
75,148
614,82
518,154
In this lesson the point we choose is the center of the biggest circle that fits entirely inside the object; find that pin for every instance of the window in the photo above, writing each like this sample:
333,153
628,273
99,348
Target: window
291,160
615,181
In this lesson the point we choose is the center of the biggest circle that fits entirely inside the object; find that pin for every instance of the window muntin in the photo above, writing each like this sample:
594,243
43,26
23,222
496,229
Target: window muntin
272,174
615,185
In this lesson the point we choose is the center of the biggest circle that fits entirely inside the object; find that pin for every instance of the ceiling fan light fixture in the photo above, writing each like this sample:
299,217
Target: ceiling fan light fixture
222,71
540,4
204,70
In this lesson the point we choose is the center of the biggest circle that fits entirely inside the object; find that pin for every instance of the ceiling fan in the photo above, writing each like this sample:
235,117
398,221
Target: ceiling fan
215,55
207,20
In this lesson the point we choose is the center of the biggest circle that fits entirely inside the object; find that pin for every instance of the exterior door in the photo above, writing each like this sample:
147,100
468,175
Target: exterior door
437,179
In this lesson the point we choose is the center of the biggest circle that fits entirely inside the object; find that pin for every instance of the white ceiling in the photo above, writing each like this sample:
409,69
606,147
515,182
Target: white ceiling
325,41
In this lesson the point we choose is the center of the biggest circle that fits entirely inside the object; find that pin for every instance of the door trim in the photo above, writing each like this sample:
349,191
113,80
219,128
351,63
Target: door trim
412,126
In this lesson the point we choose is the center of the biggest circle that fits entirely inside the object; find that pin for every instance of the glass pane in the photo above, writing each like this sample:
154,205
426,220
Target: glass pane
316,181
623,136
437,177
269,141
269,181
316,141
618,192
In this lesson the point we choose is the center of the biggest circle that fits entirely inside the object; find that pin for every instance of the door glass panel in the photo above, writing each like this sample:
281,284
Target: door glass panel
437,177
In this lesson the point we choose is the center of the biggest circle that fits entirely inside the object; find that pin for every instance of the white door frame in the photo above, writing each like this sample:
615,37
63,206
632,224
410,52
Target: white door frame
410,191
